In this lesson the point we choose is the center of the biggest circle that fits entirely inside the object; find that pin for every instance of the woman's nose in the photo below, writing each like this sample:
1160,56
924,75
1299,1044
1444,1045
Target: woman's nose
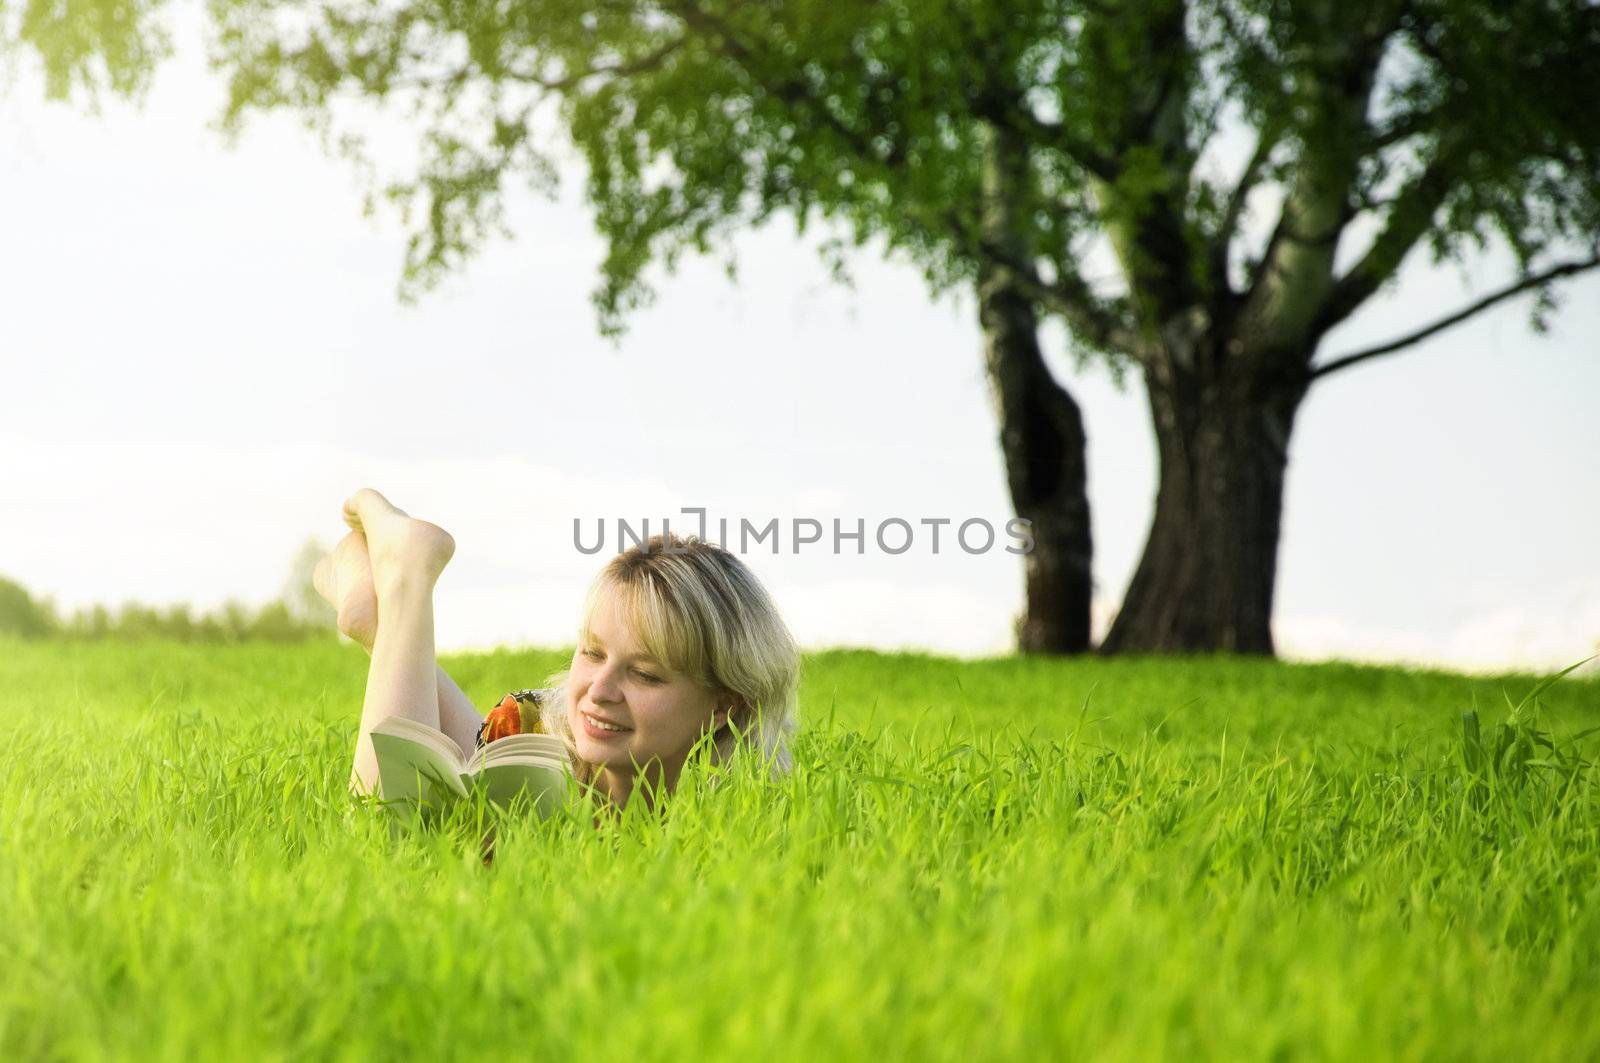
604,686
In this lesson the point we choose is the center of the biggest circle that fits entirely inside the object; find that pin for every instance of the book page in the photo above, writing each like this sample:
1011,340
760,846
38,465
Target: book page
410,766
545,781
421,733
518,745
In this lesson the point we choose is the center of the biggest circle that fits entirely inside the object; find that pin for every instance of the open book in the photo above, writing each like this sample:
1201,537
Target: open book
415,759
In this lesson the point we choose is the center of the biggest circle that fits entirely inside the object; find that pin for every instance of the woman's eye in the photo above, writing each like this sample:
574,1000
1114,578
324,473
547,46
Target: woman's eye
647,677
593,655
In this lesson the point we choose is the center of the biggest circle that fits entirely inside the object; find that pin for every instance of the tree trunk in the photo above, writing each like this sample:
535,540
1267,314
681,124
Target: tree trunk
1041,428
1042,440
1205,581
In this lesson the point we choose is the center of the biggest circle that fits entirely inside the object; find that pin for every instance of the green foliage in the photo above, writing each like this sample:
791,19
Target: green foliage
290,619
234,621
20,614
1190,858
1442,121
300,597
89,45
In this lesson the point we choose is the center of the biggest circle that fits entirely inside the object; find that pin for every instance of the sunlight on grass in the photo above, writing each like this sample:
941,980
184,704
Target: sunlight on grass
1002,858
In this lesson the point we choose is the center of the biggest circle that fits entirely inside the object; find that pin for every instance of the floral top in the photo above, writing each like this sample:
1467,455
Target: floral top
517,713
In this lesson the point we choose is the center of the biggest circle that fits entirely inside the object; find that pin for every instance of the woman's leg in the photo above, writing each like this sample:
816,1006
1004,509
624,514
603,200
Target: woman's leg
407,557
344,578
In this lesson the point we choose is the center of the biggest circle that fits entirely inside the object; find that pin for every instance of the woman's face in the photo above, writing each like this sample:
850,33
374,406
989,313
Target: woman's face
614,682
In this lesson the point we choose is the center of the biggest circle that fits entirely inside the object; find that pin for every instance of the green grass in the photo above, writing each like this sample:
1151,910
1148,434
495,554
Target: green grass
1011,858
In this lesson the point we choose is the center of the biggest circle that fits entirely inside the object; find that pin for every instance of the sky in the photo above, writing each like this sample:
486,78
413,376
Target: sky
203,354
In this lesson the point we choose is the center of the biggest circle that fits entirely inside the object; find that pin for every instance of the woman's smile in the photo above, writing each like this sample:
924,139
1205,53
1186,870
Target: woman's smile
598,728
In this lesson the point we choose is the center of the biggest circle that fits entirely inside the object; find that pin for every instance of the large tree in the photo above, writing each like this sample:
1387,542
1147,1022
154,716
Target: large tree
996,145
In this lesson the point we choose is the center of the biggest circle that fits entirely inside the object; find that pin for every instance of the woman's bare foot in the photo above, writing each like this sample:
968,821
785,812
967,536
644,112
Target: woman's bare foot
403,551
344,578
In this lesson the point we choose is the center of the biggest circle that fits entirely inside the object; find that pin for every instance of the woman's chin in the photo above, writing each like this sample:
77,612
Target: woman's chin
602,753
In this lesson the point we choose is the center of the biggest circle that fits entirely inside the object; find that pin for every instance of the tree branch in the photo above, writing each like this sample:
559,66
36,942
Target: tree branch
1410,218
643,64
1403,127
792,90
1002,105
1146,220
1089,316
1070,297
1292,282
1016,114
1223,239
1521,285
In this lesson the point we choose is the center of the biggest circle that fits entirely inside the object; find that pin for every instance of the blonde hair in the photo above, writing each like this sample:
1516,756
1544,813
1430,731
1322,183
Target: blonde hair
699,609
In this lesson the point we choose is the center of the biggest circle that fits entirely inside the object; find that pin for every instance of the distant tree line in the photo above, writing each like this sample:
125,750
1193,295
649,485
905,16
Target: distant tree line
298,615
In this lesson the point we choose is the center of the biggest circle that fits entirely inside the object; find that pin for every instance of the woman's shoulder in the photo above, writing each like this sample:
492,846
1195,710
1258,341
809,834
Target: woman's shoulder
535,697
517,713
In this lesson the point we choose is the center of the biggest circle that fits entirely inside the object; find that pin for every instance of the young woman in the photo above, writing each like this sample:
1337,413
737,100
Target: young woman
677,639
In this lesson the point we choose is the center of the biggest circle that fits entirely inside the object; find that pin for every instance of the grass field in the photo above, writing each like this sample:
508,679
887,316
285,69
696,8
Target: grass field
1228,859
